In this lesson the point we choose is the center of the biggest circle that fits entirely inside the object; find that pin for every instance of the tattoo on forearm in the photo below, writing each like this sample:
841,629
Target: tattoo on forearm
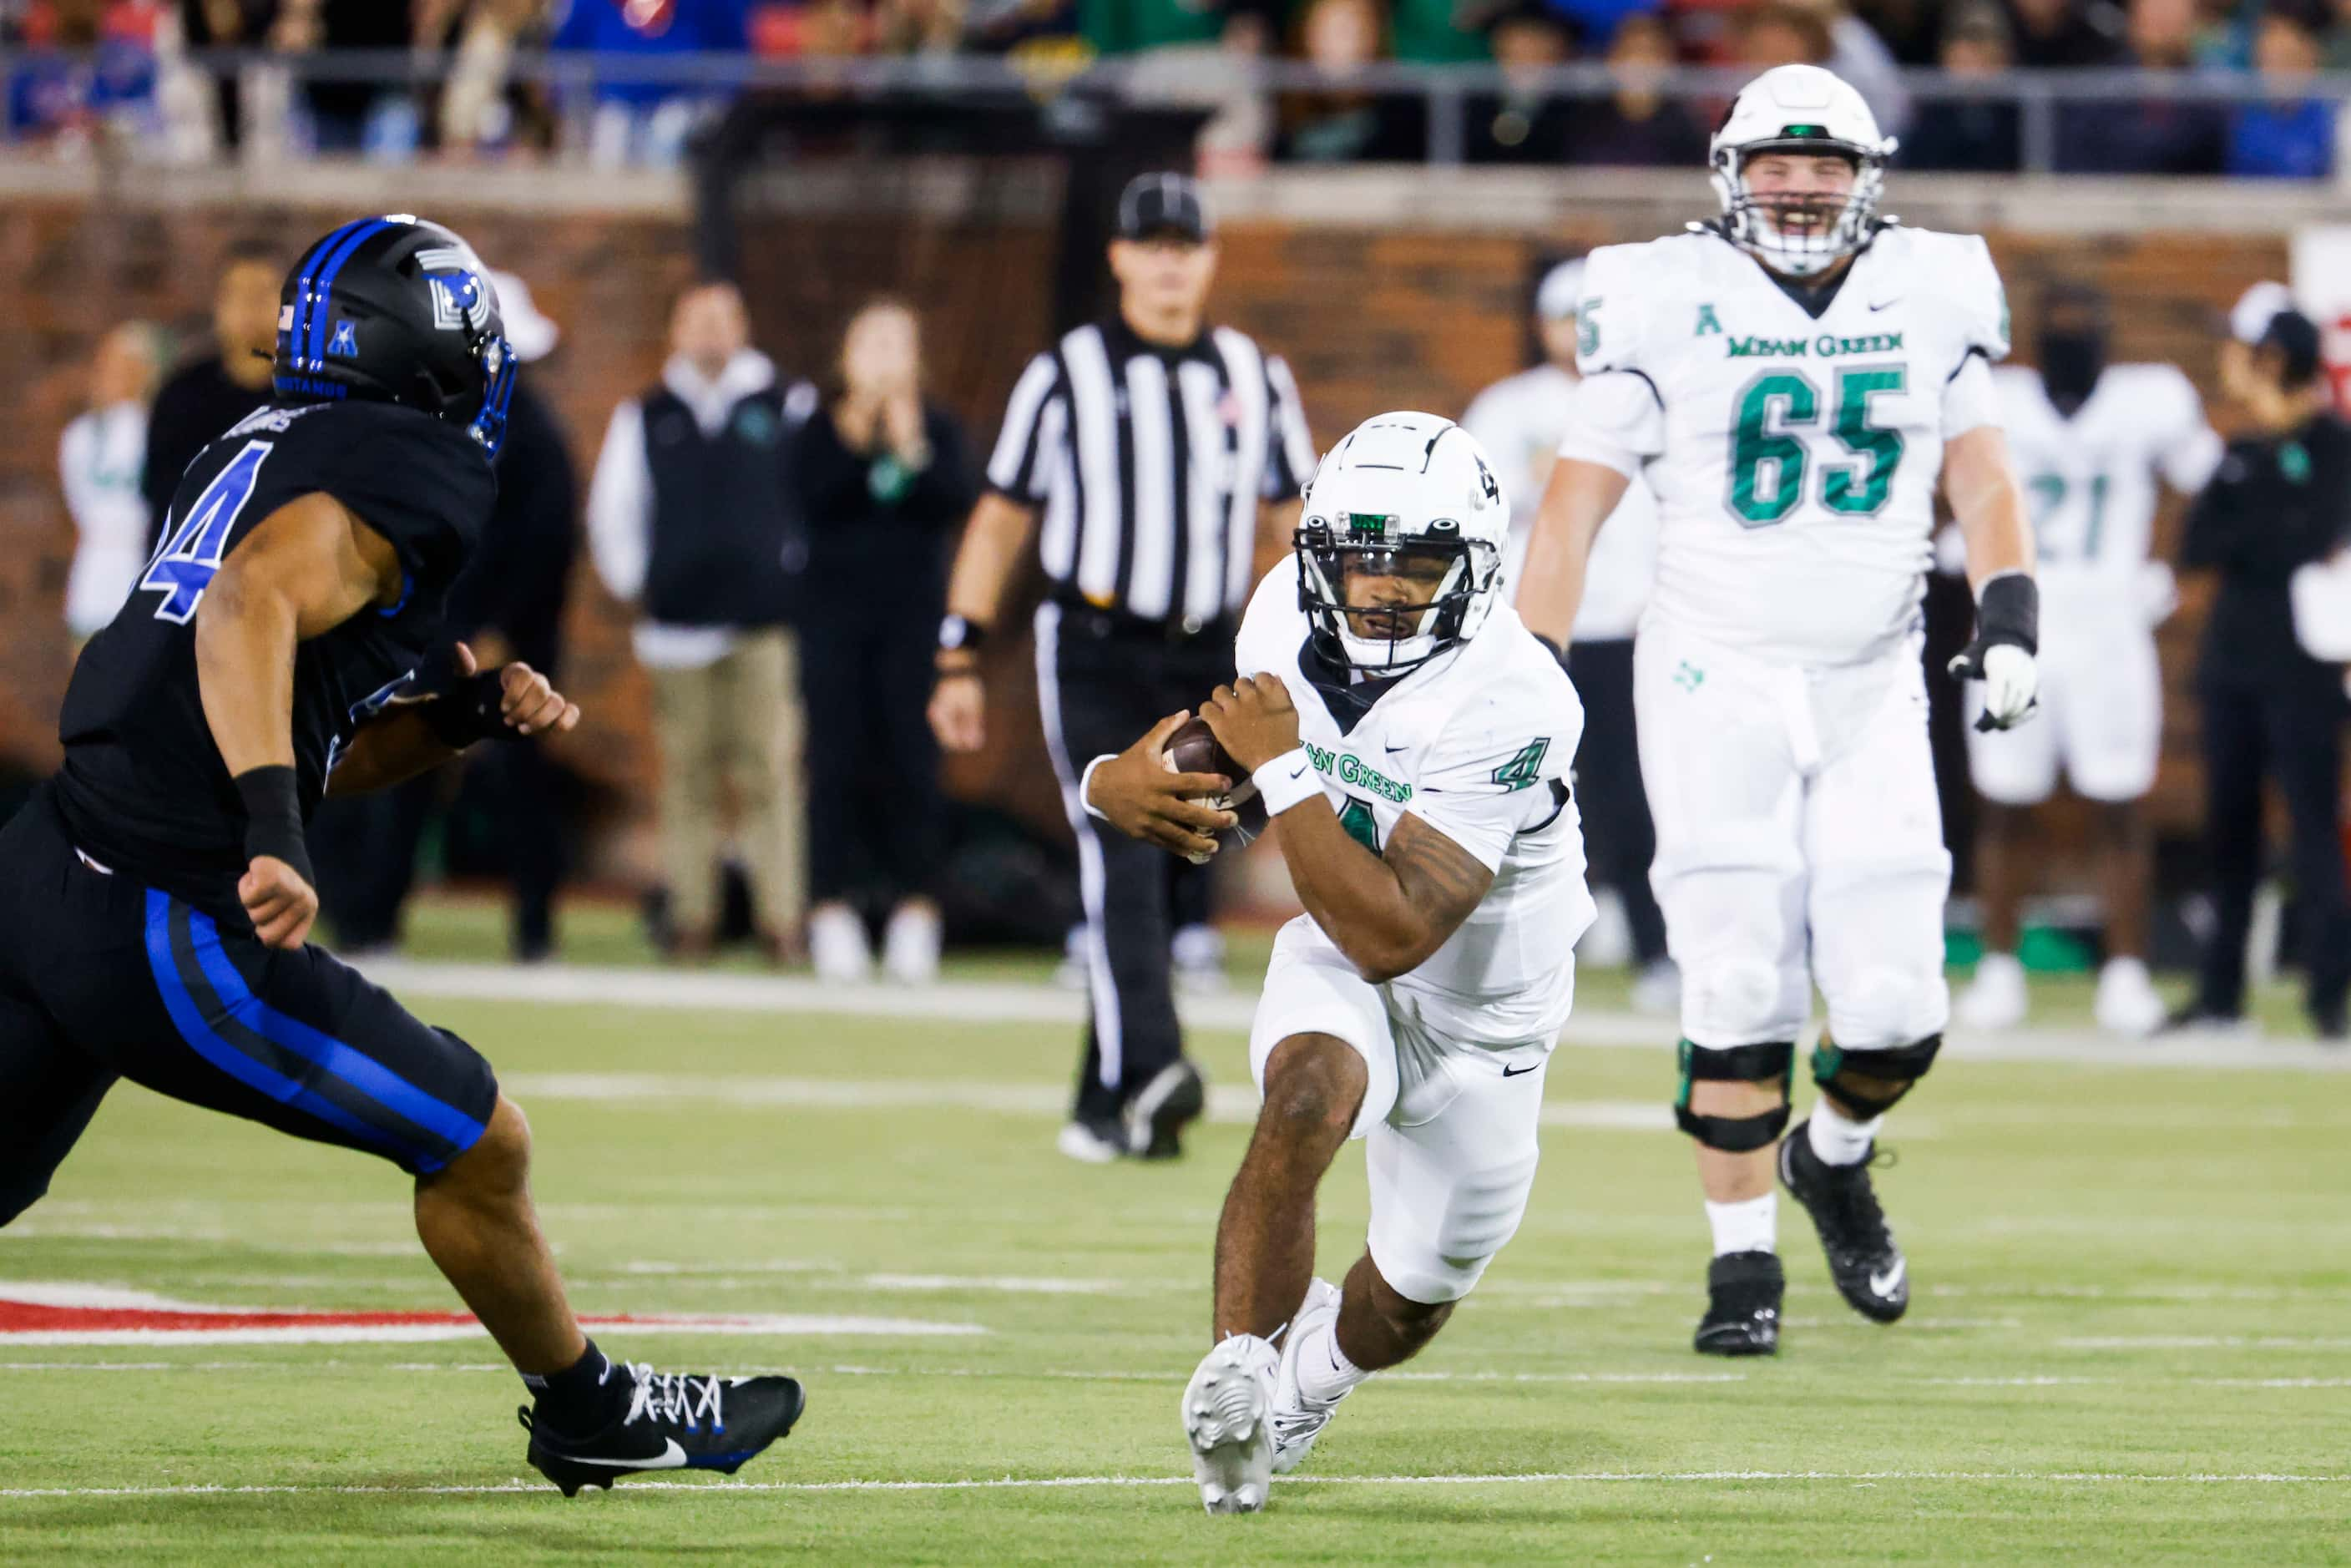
1443,880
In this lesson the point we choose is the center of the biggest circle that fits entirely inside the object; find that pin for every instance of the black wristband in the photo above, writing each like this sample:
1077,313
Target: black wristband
468,712
2009,610
273,817
1555,650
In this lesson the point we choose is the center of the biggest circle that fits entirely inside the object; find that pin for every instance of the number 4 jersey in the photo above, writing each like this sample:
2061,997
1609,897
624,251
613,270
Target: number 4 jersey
143,790
1794,456
1477,743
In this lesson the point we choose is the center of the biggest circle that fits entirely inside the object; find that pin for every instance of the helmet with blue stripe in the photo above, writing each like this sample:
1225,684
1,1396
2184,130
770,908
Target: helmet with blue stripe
397,310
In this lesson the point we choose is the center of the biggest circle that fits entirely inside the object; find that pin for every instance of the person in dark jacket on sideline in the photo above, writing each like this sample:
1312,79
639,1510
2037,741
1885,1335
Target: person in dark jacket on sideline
883,477
2281,500
207,396
506,604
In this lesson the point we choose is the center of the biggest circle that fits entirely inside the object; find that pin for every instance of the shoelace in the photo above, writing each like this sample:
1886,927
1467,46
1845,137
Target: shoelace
673,1398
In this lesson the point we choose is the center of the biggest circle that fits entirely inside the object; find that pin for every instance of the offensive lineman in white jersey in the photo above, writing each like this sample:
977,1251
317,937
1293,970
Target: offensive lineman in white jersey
2092,442
1793,381
1411,743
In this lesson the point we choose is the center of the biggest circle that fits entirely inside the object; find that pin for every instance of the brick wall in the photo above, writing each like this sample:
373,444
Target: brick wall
1370,320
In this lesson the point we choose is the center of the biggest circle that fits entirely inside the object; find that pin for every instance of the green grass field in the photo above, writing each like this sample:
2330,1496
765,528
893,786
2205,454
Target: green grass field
2127,1343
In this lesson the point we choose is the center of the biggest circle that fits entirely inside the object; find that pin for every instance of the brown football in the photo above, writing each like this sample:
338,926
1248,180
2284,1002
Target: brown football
1193,748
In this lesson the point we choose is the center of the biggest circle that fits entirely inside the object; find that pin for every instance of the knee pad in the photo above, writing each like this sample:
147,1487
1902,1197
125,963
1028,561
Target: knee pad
1771,1062
1733,998
1871,1082
1888,1002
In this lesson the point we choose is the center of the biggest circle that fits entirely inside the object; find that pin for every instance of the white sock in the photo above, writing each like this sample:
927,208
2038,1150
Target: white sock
2006,965
1752,1225
1838,1139
1324,1372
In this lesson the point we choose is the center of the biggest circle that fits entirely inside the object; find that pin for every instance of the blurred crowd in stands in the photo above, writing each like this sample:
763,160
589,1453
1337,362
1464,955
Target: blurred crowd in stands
84,73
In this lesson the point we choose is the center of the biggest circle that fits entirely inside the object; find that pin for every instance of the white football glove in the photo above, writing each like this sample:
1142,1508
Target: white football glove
2012,681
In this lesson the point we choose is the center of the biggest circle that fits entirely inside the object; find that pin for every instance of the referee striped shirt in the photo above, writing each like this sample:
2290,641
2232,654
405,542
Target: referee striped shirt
1149,465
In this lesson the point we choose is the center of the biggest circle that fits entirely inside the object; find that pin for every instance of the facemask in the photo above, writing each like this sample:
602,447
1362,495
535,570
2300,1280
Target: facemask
2070,364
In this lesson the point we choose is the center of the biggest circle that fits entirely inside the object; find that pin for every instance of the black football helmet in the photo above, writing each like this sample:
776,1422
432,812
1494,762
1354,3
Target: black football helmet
397,310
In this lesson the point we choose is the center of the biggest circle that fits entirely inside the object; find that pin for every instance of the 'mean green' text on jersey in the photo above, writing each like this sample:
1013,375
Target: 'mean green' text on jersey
1477,743
143,788
2090,481
1795,459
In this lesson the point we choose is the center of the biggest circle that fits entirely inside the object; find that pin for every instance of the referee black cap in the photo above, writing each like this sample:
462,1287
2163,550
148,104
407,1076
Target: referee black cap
1153,205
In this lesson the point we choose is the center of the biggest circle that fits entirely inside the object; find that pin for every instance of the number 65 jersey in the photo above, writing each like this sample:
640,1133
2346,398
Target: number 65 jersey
1794,456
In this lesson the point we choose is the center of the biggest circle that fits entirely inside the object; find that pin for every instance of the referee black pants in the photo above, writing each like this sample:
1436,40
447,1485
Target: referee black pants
1619,839
2289,728
1102,682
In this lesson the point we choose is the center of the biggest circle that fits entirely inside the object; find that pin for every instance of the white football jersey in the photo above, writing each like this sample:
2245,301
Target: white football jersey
1794,459
1477,743
1519,420
2090,481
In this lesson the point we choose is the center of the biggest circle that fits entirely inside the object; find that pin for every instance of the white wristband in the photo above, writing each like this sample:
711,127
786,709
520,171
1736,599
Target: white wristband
1086,786
1287,780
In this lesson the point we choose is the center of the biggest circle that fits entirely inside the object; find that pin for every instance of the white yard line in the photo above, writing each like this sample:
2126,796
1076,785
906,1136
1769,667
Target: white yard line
1009,1001
1034,1483
1173,1376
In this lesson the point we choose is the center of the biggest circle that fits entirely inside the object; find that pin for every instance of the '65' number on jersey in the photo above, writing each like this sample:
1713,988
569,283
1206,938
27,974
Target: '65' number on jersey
184,567
1770,451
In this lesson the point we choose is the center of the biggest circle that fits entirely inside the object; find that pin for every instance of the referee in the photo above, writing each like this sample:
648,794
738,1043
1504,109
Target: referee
1160,452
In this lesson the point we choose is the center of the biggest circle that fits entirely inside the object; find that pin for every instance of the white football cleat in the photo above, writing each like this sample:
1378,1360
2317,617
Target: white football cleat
1996,997
1296,1419
1228,1418
2127,1002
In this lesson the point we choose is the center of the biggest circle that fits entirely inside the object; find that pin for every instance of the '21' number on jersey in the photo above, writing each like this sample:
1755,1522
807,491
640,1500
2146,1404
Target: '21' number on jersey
1770,457
184,567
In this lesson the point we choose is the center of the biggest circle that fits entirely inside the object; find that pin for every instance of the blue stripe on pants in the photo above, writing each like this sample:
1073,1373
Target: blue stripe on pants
188,1016
356,1068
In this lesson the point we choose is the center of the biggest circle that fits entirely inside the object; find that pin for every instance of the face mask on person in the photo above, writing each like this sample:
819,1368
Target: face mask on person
2070,365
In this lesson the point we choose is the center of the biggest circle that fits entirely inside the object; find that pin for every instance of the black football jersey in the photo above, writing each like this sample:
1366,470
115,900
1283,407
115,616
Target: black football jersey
143,790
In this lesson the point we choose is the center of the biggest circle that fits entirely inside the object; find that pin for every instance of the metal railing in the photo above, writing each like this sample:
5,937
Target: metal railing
574,82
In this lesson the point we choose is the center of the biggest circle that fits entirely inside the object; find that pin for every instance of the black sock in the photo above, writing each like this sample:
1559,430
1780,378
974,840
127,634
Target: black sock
582,1398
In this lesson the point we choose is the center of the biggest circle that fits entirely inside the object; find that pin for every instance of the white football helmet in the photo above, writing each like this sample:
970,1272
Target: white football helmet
1798,109
1401,488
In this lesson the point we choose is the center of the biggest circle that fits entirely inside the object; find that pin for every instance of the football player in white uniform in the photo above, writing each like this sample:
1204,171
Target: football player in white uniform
1519,421
1793,380
1410,741
2093,442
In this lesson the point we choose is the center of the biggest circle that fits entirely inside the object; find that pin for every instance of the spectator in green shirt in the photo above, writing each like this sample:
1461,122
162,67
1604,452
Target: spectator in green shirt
1442,32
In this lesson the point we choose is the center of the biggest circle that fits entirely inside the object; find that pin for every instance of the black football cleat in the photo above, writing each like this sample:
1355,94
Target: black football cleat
1743,1305
1155,1118
1869,1267
673,1423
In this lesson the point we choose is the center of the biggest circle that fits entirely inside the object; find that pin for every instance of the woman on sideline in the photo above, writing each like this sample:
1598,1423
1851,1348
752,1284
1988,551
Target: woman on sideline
98,463
883,479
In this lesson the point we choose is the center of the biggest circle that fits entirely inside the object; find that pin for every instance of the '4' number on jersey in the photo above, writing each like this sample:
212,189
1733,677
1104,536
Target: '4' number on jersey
184,567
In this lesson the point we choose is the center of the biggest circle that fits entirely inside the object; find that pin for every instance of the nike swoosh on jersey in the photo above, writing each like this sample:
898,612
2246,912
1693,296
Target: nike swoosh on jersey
1517,1071
1885,303
1885,1285
671,1457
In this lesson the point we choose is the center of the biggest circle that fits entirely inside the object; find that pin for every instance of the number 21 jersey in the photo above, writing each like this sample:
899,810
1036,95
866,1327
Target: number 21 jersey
1794,458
